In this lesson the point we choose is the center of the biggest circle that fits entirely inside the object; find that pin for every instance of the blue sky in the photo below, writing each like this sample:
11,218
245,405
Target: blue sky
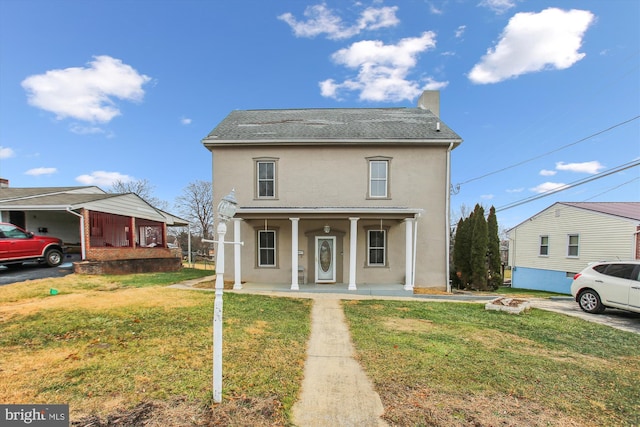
544,93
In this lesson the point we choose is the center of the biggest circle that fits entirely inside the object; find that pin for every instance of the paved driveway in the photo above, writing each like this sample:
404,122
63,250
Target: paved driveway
33,271
619,319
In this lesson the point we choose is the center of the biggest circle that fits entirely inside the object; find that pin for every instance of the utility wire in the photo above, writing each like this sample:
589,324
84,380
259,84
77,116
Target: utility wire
571,185
549,152
611,189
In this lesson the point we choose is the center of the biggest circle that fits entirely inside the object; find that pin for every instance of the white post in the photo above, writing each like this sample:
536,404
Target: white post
294,254
237,272
408,258
353,240
217,315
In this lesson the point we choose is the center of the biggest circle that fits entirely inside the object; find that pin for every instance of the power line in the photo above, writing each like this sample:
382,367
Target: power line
611,189
550,152
571,185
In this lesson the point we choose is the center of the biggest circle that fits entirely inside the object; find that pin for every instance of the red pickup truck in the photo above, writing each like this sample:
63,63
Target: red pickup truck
18,246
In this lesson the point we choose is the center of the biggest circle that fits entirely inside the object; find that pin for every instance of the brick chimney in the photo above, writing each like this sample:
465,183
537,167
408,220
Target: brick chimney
430,100
4,183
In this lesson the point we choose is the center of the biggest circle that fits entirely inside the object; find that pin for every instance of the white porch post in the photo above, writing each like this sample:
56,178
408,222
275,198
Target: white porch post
237,264
294,254
408,258
353,240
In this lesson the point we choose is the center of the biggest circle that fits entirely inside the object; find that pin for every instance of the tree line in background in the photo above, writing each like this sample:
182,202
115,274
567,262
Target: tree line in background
476,251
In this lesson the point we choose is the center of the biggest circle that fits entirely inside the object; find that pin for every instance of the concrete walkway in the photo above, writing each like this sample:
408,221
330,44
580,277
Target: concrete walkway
335,389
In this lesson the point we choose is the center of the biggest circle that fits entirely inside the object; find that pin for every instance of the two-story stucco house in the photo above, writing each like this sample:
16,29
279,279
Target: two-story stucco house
346,196
548,249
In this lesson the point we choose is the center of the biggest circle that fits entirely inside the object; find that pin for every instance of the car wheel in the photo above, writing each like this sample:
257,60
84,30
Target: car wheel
589,301
53,257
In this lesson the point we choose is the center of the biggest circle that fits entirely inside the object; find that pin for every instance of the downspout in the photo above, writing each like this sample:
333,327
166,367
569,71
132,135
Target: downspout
415,244
83,251
447,218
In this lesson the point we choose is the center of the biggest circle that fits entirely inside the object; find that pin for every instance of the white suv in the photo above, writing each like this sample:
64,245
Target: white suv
614,284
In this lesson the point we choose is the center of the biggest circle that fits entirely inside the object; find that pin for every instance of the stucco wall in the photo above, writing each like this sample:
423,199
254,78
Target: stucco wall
338,177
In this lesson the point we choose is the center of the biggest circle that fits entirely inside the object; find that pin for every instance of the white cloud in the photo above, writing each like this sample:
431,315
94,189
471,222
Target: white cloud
382,69
321,20
6,152
547,187
547,172
85,130
533,42
498,6
515,190
86,93
103,178
592,167
41,171
460,31
487,196
185,121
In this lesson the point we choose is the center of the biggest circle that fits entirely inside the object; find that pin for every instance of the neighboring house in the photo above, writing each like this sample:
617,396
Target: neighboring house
548,249
102,227
346,196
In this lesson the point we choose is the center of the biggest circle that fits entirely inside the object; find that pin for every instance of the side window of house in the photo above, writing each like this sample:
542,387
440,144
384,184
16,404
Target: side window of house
266,179
266,248
544,245
376,247
378,178
572,246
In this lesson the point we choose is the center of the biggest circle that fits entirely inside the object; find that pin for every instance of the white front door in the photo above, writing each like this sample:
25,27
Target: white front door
325,259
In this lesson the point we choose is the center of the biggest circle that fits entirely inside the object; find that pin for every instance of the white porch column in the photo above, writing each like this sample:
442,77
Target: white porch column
353,240
294,253
237,261
408,257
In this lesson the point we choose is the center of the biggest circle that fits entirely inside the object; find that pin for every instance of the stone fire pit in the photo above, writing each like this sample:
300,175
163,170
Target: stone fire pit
510,305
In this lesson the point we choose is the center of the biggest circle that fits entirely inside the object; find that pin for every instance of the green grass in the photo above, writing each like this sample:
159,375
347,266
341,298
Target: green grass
143,341
561,363
507,290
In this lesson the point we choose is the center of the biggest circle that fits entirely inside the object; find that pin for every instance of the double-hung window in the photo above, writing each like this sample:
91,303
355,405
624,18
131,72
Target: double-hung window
266,179
378,178
266,248
376,247
544,246
573,241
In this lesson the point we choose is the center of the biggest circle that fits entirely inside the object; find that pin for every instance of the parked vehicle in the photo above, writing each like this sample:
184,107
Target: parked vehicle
18,246
614,284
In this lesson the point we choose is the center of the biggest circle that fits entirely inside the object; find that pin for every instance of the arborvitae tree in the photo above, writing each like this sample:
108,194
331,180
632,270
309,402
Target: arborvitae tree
479,249
493,250
461,251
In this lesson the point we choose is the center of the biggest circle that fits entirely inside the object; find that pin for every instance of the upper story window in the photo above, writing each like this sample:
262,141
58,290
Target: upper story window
379,177
266,178
544,245
573,245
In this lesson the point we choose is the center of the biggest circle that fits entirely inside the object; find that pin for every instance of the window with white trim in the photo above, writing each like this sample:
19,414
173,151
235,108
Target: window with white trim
266,179
266,248
378,178
376,247
573,241
544,246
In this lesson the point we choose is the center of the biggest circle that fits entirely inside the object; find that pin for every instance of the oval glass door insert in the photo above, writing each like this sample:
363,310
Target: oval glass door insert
325,256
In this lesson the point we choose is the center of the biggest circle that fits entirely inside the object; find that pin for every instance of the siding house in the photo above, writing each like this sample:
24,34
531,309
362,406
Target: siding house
548,249
113,233
337,196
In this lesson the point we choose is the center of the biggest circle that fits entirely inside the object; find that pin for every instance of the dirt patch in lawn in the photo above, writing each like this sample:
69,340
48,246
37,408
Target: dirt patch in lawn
237,411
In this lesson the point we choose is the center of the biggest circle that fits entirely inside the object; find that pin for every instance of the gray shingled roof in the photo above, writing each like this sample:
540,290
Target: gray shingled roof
629,210
332,126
